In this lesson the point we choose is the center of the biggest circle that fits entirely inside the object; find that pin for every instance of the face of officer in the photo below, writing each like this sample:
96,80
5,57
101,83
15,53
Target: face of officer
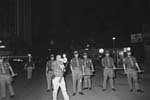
129,53
58,58
52,58
1,60
76,55
85,56
107,54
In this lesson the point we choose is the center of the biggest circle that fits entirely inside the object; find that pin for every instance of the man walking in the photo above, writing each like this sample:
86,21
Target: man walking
49,72
130,67
88,69
108,64
76,66
29,66
6,78
58,80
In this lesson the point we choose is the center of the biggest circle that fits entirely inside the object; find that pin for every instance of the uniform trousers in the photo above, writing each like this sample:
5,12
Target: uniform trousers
132,76
6,80
77,80
87,78
29,72
108,73
49,79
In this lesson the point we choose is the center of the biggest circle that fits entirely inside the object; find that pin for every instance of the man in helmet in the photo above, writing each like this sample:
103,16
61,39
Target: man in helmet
88,70
58,80
49,72
108,64
6,79
131,68
76,66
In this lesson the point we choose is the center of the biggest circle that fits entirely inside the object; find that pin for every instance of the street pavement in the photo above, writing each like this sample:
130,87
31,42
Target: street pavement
35,89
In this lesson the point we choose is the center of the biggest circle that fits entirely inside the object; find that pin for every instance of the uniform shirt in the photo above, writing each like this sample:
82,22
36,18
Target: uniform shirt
76,63
49,64
130,62
4,66
29,64
87,63
57,68
108,62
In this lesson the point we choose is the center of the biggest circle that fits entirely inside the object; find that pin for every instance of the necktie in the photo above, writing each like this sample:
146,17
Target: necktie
77,63
131,61
85,63
3,70
108,61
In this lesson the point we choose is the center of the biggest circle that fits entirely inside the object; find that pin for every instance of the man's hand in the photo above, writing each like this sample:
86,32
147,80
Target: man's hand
83,73
139,71
60,80
114,68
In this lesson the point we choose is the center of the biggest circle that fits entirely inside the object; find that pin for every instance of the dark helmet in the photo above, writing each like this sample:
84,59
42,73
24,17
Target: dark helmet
107,52
75,52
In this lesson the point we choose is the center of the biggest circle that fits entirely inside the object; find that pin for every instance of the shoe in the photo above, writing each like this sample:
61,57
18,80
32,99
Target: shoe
85,88
3,98
48,90
113,89
103,90
12,96
131,90
81,93
73,94
140,91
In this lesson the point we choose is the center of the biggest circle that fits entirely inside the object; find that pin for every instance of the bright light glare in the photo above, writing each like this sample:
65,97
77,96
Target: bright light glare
128,48
2,46
113,38
101,50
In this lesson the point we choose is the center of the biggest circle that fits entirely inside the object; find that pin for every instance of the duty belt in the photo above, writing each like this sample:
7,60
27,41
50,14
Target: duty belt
49,69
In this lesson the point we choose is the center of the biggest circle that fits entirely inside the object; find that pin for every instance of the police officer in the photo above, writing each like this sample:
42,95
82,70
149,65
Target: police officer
58,80
76,66
108,64
130,67
6,78
29,66
49,72
88,70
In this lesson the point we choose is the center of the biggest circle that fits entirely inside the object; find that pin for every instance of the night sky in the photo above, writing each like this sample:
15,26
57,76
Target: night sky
83,20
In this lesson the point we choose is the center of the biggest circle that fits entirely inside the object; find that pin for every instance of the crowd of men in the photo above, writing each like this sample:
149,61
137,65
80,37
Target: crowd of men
81,69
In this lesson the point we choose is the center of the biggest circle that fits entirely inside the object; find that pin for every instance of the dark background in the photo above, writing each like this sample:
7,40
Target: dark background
68,21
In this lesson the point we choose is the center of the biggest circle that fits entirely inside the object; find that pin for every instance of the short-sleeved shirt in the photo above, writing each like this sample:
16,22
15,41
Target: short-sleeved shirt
5,65
57,68
76,63
108,62
130,62
49,64
87,63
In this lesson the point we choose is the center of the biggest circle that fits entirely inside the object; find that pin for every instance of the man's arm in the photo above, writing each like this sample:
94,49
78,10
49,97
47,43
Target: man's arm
71,66
25,66
137,65
102,62
113,64
92,67
124,66
12,72
46,68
